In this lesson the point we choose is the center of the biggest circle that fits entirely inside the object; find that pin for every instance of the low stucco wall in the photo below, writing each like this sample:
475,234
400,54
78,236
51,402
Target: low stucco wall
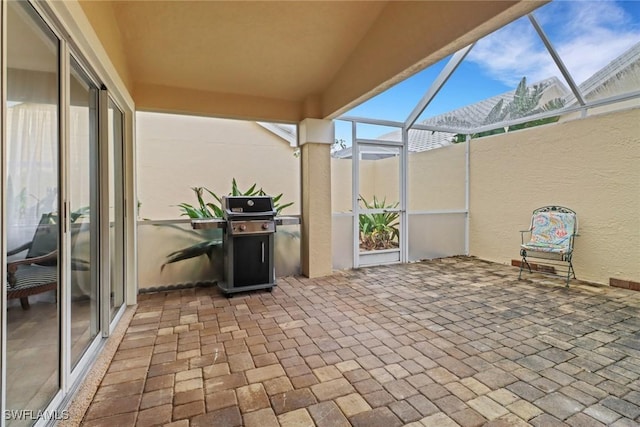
591,166
158,239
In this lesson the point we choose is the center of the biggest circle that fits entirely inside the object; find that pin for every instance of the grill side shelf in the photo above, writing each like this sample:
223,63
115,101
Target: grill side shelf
287,220
201,224
208,223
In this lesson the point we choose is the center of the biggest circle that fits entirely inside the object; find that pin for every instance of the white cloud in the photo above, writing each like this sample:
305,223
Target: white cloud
586,35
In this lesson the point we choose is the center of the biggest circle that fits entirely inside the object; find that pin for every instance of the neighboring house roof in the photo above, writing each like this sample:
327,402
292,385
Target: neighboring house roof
606,81
469,116
474,115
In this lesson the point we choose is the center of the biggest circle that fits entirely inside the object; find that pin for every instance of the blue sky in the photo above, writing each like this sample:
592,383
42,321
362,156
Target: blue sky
586,34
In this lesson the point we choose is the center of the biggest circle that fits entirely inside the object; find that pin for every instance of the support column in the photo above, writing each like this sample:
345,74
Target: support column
316,138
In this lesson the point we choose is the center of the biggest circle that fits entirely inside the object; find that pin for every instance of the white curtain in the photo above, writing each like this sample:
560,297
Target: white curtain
32,168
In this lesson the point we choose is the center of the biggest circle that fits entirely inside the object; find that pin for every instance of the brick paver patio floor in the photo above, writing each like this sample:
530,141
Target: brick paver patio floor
440,343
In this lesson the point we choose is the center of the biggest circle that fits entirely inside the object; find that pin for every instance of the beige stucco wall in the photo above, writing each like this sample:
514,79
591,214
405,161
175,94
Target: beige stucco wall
176,153
341,185
588,165
377,177
385,177
436,179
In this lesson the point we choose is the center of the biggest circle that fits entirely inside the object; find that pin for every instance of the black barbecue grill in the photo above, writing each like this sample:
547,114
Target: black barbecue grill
248,242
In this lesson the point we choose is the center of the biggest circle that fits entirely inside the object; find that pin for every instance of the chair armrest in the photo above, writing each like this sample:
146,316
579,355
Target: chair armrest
13,265
19,249
522,235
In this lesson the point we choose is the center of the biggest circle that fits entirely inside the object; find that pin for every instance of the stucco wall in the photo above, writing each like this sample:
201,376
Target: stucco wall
341,183
176,153
436,179
591,166
377,178
384,174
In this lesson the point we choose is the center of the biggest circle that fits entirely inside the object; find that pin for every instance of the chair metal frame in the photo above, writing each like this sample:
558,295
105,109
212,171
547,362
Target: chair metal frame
553,259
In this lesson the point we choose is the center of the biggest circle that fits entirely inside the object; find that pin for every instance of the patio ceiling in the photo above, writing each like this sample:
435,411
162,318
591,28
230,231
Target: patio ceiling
281,61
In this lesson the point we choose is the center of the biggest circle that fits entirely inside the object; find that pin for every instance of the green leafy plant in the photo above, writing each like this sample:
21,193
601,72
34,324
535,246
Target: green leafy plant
213,209
378,230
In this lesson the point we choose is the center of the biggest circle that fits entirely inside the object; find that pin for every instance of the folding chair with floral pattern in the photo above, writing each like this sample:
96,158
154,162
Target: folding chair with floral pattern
552,233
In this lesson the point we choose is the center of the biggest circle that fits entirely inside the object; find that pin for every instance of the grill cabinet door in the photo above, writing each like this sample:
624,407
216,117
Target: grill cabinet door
251,260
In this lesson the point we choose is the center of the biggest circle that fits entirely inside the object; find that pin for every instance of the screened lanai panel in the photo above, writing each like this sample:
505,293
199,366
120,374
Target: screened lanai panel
341,169
397,102
436,199
436,178
342,241
508,75
436,235
600,45
341,207
378,132
341,196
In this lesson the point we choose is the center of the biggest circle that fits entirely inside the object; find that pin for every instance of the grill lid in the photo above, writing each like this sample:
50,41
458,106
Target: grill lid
248,206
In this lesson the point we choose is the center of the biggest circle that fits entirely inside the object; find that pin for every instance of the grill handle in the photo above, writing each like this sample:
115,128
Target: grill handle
262,244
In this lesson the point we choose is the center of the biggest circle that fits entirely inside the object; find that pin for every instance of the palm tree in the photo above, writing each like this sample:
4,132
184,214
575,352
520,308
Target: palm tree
524,103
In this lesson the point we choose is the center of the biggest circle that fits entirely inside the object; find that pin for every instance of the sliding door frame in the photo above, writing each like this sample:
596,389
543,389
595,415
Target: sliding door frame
60,18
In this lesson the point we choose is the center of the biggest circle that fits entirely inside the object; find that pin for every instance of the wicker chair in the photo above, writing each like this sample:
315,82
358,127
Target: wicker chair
38,271
553,230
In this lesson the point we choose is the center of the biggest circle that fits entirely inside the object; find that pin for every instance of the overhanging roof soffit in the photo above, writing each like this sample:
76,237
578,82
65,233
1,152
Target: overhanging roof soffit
265,60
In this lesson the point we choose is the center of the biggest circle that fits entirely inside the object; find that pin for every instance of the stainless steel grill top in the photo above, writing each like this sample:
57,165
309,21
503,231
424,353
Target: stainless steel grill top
236,207
249,215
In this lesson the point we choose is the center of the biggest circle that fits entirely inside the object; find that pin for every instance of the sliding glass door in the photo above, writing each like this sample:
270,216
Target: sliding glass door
83,195
63,206
115,167
32,306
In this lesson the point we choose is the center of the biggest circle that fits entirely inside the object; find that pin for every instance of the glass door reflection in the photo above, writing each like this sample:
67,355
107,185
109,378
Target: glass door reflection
83,197
32,158
116,207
